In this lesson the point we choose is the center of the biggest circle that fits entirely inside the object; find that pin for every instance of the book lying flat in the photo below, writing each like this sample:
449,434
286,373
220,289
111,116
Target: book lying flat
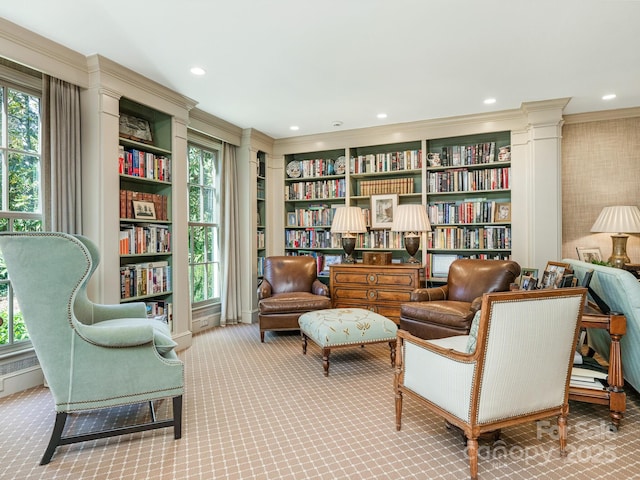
588,373
596,384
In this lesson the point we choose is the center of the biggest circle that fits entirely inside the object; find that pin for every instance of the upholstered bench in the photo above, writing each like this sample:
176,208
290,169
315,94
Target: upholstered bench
346,327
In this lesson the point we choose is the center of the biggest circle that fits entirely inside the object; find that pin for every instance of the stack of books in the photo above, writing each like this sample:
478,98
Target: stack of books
588,378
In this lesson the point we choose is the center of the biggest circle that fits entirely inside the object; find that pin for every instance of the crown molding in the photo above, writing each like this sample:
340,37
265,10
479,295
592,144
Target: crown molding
602,115
39,53
105,73
404,132
208,124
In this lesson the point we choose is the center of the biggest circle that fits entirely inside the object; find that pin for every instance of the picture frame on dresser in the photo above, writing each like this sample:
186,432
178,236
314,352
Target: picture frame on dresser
383,208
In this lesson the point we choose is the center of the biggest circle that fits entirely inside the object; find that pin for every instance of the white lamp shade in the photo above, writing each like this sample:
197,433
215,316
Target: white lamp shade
410,218
348,220
618,219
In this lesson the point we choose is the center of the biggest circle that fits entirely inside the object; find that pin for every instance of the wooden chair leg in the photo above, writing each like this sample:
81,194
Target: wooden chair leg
472,451
177,417
56,435
392,352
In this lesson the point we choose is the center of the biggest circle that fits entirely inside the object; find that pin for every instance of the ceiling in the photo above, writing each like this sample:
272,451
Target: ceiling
274,64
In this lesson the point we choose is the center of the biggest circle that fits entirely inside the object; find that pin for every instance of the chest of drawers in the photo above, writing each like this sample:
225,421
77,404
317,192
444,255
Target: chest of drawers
379,288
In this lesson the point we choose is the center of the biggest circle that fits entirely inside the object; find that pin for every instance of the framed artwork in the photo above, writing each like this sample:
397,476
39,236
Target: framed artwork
144,210
331,260
502,212
383,207
553,274
291,219
528,274
135,128
589,254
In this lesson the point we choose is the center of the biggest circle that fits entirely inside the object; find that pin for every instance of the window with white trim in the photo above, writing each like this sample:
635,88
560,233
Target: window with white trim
20,184
204,221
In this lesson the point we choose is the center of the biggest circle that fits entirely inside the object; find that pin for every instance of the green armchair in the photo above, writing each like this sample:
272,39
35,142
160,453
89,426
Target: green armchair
93,356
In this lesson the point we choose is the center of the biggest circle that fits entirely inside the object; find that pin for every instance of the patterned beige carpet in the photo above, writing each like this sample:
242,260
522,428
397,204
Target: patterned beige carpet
265,411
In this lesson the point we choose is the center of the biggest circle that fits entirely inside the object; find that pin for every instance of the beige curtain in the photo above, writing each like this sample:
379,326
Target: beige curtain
230,311
62,161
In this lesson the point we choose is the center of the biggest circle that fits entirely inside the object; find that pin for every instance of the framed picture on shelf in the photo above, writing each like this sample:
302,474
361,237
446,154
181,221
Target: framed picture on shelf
589,254
553,274
135,128
144,210
528,272
291,219
502,212
383,208
331,260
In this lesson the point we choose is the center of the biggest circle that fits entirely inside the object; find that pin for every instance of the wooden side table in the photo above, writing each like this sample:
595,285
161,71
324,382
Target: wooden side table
378,288
614,396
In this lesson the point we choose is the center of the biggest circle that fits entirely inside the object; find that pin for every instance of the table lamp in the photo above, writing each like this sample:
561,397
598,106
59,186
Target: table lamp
619,220
411,219
348,221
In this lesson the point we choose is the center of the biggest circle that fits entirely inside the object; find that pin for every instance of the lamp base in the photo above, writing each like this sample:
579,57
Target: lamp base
348,244
619,251
412,244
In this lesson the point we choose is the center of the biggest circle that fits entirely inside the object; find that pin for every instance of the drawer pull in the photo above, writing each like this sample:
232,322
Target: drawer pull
372,278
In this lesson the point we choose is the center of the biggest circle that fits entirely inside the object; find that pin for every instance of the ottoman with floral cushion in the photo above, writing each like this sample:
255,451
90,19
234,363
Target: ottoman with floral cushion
346,327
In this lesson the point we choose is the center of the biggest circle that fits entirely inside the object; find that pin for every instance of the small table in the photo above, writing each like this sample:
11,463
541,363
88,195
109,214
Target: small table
346,327
614,397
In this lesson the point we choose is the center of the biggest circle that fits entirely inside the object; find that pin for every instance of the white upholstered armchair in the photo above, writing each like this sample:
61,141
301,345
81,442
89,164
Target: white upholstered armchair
513,368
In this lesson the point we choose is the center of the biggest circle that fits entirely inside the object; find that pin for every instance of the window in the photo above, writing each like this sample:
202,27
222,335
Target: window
20,191
204,224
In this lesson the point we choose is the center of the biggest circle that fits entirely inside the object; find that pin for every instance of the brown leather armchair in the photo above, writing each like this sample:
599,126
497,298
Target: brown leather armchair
290,287
446,311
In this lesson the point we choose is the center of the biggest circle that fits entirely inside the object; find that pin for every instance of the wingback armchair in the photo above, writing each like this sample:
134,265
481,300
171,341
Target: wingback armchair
514,367
93,356
444,311
289,288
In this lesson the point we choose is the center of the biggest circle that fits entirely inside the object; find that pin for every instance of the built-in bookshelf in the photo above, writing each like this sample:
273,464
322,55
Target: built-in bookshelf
389,173
468,189
315,184
145,166
261,212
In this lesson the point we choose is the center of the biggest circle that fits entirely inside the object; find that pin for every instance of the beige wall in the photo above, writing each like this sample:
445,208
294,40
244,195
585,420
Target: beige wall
600,167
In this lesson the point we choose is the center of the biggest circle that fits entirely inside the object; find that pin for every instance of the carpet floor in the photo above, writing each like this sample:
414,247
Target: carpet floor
265,411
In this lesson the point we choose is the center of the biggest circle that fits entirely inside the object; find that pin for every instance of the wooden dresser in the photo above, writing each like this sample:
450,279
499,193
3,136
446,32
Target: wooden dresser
379,288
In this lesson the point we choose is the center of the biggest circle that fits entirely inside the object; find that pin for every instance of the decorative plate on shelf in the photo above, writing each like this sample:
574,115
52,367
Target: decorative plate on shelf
293,169
340,165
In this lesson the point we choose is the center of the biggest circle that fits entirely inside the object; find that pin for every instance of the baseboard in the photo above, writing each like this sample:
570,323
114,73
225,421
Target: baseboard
21,380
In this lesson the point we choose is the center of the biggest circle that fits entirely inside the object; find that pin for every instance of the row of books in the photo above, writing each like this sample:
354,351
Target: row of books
149,278
138,163
466,211
498,237
318,167
312,239
323,260
162,311
455,155
144,238
390,185
380,239
260,269
312,216
320,189
160,204
464,180
261,239
386,162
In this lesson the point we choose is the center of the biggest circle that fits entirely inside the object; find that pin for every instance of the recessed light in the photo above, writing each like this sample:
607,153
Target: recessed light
294,127
382,115
609,96
489,101
197,71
